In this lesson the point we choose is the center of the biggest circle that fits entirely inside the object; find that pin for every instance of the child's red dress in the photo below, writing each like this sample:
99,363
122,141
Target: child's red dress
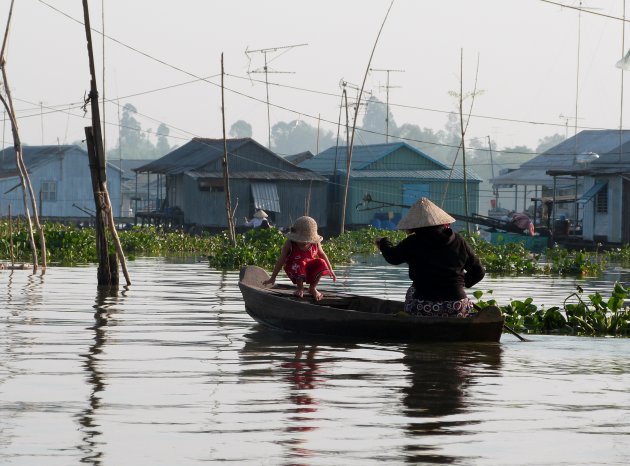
305,265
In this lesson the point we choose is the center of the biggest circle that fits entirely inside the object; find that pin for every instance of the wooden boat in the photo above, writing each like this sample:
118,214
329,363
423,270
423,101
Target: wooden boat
349,315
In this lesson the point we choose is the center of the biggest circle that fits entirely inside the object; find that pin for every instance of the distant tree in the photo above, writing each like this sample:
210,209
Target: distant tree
134,142
548,142
374,125
162,146
297,136
433,143
241,129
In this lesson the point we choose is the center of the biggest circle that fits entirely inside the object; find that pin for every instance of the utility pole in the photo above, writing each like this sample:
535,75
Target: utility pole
387,88
266,70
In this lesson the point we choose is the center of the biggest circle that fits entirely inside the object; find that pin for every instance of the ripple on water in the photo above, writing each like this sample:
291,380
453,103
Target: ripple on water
175,372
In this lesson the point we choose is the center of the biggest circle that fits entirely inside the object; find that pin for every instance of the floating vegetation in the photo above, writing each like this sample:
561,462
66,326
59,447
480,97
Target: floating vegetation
579,315
68,245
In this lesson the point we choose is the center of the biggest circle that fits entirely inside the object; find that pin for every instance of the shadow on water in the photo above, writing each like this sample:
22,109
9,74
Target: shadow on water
106,298
440,375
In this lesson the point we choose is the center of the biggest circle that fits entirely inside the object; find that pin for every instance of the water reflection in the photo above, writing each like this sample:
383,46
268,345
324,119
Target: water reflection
440,376
106,296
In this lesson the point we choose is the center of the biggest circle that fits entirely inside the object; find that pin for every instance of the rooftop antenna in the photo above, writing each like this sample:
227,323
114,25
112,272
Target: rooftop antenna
345,85
276,52
387,88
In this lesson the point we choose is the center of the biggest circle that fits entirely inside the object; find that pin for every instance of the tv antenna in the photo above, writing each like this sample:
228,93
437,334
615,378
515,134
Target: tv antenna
387,88
345,85
275,52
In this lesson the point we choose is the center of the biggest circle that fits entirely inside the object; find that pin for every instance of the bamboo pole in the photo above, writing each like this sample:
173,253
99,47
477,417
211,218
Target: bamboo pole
11,239
18,152
463,132
24,177
354,124
226,173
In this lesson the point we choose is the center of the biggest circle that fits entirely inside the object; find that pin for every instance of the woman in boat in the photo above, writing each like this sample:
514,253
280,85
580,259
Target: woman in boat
303,258
259,220
441,263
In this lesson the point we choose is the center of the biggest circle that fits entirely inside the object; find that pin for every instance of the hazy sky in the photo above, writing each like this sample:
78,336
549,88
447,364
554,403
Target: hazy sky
158,50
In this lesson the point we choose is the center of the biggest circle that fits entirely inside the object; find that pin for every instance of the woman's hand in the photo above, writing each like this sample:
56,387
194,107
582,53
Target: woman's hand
332,274
270,281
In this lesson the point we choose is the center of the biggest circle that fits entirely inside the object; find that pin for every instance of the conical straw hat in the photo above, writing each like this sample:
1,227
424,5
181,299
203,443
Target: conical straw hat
260,214
424,213
304,230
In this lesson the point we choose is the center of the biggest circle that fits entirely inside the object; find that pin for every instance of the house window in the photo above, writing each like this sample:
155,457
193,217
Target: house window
601,202
49,191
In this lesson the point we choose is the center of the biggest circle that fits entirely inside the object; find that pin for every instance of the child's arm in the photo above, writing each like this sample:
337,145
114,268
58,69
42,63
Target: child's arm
322,254
284,253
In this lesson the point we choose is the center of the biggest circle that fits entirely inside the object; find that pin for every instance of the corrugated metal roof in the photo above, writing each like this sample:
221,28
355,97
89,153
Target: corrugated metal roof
362,156
265,196
296,159
36,156
563,157
300,175
194,154
457,174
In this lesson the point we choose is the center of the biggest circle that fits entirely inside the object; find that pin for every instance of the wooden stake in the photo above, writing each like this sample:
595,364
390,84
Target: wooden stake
19,159
226,173
108,268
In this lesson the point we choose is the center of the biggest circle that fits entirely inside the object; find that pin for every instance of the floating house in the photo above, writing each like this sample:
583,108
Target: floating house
385,179
604,204
567,184
60,177
194,187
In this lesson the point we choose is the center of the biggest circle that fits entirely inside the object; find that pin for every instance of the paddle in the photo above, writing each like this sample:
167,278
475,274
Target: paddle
509,329
514,333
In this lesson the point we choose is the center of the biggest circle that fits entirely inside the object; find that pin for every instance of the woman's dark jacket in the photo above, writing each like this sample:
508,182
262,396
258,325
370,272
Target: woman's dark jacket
441,263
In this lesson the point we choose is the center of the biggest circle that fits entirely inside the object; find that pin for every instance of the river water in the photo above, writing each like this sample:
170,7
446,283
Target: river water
174,372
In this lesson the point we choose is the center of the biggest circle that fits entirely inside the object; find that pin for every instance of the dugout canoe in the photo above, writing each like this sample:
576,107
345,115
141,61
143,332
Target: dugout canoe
350,315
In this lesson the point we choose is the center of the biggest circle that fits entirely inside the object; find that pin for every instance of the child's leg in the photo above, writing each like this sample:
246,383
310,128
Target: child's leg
300,288
312,289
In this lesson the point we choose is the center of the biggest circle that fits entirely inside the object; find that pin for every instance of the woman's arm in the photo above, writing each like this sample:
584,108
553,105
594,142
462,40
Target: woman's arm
393,254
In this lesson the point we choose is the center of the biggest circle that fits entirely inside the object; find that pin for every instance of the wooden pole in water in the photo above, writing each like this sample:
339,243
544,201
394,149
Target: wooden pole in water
11,238
226,173
108,267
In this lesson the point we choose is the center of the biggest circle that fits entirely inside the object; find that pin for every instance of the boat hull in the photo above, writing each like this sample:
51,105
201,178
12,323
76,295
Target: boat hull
364,317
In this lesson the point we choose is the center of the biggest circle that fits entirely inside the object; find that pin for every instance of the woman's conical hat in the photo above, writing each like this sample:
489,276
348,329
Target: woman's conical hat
260,214
424,213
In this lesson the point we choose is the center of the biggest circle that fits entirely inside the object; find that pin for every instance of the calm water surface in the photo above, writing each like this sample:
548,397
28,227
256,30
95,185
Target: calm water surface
176,373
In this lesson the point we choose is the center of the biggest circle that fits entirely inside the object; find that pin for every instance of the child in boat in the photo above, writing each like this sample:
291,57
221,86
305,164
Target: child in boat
303,258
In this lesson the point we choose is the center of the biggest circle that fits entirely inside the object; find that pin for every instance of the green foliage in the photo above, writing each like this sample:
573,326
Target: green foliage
597,316
258,246
504,259
593,316
561,261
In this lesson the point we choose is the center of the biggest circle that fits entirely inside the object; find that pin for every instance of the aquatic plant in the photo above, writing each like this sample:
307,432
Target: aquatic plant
592,316
562,261
504,259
